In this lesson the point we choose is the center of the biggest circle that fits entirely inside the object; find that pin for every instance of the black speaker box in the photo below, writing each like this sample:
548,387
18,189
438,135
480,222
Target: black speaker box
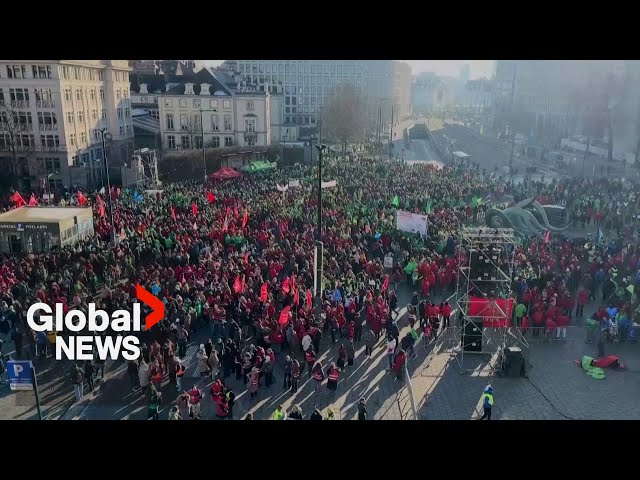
473,327
472,343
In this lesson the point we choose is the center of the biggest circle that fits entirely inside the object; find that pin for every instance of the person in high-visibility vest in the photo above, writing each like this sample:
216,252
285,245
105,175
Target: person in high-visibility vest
310,358
487,402
330,415
333,375
279,413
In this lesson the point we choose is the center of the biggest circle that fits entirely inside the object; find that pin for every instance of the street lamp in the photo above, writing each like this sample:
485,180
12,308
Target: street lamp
49,186
107,136
319,246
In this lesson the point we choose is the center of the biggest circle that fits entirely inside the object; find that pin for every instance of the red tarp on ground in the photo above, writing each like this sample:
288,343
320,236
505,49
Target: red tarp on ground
494,312
225,173
610,361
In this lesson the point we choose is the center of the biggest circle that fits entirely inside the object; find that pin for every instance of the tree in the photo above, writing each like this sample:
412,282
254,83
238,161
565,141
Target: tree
344,117
16,136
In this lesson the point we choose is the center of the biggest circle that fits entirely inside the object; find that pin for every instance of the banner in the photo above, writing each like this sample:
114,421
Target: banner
495,312
411,222
294,183
329,184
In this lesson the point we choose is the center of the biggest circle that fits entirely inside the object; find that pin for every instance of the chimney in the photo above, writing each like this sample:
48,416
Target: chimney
188,89
204,89
143,88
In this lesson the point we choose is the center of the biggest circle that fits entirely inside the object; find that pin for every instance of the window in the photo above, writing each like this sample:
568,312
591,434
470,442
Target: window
83,138
215,123
17,71
169,119
121,130
23,120
50,165
65,73
196,122
226,104
196,103
50,141
182,103
228,141
168,102
67,94
250,105
19,97
227,122
44,98
186,141
70,117
286,68
280,68
104,114
72,139
41,71
250,125
119,110
184,121
127,112
76,73
118,94
215,142
92,94
94,115
171,141
287,79
251,142
80,117
197,142
213,103
78,94
47,121
100,75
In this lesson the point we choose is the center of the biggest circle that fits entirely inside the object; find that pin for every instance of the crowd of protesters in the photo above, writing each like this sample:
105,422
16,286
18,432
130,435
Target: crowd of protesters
235,259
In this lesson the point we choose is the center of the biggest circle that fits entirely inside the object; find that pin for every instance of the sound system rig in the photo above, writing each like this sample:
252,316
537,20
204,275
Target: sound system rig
513,362
484,269
472,335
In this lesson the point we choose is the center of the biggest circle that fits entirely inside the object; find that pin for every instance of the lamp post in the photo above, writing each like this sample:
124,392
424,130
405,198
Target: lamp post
319,245
107,136
49,186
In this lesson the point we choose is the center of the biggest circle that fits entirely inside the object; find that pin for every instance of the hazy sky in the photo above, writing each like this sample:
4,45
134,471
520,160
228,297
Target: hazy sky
479,68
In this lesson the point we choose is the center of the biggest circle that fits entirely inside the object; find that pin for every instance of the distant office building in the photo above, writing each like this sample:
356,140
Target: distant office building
307,83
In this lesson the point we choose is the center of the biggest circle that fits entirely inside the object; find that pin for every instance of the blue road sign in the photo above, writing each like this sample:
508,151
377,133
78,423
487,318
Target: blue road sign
20,374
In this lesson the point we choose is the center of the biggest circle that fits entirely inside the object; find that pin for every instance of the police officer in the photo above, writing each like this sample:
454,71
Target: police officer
279,413
487,402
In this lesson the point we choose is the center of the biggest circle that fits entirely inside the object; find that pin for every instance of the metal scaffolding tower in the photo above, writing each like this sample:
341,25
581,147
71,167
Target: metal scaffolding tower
486,259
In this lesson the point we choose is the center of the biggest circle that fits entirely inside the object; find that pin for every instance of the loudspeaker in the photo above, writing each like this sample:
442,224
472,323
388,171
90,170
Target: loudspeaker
473,327
514,364
472,343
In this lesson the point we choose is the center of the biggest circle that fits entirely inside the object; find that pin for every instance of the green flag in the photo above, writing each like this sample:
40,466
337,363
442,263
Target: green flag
396,201
427,207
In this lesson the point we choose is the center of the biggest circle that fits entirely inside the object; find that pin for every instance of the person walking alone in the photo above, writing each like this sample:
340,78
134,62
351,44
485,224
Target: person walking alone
487,402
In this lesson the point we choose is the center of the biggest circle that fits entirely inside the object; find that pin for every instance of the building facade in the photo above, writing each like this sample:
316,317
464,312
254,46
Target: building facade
216,107
52,114
307,83
429,93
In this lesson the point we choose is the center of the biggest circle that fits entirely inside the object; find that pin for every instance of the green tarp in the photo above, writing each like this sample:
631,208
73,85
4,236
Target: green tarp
594,372
258,166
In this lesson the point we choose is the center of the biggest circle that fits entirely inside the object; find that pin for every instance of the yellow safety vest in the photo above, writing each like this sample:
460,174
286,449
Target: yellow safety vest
490,397
278,415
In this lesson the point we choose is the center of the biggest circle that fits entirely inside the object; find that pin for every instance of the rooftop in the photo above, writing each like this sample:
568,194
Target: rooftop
42,214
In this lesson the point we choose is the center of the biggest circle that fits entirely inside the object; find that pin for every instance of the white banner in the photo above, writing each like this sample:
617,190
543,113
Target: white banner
282,188
294,183
329,184
411,222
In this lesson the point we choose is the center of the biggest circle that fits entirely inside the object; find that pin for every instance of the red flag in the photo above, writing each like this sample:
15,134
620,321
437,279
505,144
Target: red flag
211,197
237,285
309,299
245,218
547,236
32,201
264,292
292,284
225,225
385,284
173,213
296,298
286,285
17,199
101,209
284,316
81,198
194,209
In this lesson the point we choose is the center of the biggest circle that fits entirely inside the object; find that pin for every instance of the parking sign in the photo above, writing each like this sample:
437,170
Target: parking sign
20,374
